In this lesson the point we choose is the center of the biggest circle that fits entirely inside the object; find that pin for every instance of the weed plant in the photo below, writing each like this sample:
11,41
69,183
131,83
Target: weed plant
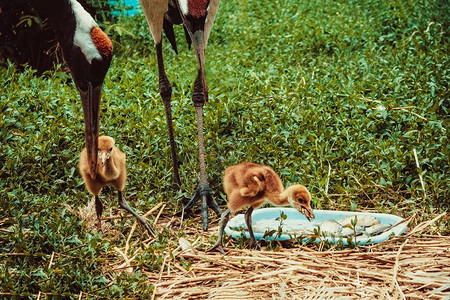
335,95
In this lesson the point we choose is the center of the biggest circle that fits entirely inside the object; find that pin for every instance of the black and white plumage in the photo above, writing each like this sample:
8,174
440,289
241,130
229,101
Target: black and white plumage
87,51
197,18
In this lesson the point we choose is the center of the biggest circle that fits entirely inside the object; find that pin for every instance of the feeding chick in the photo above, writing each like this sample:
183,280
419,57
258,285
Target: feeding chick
111,171
251,185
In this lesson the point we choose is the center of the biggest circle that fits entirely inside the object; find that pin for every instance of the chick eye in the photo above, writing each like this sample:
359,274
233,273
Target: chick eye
111,149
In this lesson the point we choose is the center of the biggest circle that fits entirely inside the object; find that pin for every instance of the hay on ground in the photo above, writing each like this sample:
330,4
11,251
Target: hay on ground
413,266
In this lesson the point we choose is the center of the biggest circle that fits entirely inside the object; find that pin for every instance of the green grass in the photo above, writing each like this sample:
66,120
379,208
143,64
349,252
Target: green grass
335,95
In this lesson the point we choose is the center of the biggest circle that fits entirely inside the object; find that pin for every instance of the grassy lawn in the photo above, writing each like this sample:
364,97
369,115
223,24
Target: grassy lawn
335,95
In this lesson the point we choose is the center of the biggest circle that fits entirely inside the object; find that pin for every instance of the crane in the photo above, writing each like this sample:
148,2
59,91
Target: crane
111,171
250,185
87,51
197,17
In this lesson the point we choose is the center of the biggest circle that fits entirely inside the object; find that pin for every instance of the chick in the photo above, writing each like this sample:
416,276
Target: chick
251,185
111,171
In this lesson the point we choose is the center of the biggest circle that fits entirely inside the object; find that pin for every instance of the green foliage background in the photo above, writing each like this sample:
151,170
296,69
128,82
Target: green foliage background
332,94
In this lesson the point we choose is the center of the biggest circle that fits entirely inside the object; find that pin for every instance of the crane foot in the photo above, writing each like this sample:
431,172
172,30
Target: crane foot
203,193
255,244
216,247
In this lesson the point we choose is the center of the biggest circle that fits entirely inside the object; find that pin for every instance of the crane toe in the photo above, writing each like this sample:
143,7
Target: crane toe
205,195
216,247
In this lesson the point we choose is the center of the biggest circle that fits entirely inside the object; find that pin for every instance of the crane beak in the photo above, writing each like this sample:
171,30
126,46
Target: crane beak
199,46
91,110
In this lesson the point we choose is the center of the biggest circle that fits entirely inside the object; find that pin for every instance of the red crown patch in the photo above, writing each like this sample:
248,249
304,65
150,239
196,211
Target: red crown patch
101,41
197,8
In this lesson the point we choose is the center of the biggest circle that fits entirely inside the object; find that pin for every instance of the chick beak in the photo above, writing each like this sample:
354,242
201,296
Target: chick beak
304,210
91,109
102,156
307,211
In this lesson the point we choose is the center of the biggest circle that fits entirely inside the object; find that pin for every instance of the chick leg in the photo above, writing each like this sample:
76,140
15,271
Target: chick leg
124,204
99,211
223,223
248,221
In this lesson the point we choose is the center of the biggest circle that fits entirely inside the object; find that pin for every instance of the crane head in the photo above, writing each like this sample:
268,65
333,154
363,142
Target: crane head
89,67
105,148
300,199
87,51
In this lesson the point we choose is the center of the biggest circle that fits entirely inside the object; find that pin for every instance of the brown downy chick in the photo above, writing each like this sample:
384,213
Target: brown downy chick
251,185
111,167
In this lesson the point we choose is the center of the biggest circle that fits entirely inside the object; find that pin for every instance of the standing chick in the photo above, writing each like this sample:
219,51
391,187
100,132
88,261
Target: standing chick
112,171
250,184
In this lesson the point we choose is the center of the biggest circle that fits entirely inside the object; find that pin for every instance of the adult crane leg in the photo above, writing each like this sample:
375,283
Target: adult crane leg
165,90
197,18
203,190
199,97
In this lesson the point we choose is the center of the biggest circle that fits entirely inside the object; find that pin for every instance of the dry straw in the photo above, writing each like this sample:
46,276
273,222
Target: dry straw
413,266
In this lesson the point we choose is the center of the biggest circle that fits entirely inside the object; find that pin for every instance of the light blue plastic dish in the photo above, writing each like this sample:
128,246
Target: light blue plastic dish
272,213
